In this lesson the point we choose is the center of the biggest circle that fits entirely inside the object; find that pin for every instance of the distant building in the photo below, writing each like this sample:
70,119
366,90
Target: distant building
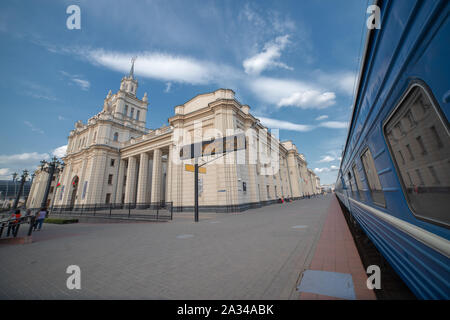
8,192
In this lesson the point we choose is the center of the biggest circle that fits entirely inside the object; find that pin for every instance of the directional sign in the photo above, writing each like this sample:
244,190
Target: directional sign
191,168
213,147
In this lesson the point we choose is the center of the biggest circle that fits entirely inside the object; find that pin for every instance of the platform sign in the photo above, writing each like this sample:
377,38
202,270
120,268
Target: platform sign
191,168
213,147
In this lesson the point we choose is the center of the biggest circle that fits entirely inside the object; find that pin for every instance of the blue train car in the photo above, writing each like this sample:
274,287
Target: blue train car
394,176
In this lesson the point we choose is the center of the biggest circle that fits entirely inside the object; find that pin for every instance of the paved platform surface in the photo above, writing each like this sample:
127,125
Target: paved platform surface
336,252
256,254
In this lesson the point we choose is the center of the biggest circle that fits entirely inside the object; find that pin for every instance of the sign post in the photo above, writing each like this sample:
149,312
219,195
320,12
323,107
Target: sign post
196,189
219,147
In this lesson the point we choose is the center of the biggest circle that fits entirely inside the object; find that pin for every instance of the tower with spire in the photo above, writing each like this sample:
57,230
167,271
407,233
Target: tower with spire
129,84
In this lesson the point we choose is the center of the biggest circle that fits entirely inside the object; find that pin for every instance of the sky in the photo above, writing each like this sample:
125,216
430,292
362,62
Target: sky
295,63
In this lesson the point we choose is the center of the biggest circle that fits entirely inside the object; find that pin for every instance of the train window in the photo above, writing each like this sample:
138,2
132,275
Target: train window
349,175
358,182
426,180
372,178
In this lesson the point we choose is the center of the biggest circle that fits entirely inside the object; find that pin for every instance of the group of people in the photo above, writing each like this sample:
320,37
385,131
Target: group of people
39,218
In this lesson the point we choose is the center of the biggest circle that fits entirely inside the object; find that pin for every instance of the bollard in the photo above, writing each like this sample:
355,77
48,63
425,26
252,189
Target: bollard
95,206
129,210
110,208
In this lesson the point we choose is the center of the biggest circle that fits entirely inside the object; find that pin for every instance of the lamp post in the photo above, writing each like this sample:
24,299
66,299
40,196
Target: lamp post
14,175
52,167
22,182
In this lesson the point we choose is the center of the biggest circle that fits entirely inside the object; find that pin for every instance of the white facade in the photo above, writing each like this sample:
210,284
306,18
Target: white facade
113,158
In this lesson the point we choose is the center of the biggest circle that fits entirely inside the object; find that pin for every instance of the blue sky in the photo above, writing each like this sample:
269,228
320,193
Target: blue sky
293,62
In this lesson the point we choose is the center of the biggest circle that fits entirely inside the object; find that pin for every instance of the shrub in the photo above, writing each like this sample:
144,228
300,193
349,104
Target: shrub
60,220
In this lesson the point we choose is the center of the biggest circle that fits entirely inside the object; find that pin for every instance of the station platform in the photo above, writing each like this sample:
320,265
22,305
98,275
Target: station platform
336,266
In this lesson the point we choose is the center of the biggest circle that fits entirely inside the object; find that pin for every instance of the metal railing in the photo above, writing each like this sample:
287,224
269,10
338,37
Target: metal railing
12,226
161,211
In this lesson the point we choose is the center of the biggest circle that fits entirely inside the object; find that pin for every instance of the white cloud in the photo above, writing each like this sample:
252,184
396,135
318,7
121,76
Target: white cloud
84,84
23,158
326,169
27,160
61,118
334,124
309,99
342,81
168,87
77,79
323,117
267,59
327,159
163,66
33,128
37,91
285,125
289,92
60,151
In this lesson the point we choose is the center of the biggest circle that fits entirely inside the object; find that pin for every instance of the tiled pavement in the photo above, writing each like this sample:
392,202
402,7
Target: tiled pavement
336,252
257,254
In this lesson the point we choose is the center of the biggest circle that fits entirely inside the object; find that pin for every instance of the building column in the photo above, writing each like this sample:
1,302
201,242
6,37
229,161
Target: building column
119,190
130,187
156,177
169,175
142,179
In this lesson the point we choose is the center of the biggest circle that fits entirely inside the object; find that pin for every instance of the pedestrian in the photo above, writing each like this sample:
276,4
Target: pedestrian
15,221
28,213
40,217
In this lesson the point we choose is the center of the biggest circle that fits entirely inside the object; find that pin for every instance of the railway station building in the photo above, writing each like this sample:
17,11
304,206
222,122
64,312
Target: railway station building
114,158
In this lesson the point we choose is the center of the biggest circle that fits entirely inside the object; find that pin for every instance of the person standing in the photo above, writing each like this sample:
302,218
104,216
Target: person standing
15,217
40,217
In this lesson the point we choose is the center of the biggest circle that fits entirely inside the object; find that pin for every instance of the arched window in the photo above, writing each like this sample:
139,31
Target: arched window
116,136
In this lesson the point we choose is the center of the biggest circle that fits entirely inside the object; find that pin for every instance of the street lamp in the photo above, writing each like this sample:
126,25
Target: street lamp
14,175
52,167
22,182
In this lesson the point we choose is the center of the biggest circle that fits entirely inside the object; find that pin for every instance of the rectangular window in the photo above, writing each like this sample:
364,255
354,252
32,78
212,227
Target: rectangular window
268,192
436,137
421,145
244,186
83,195
110,177
138,113
426,181
372,178
352,189
125,111
108,198
131,112
112,163
358,182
